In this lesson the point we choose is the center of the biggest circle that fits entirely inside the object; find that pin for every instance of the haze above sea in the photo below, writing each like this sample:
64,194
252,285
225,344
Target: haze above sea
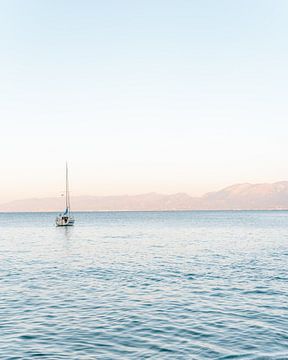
145,285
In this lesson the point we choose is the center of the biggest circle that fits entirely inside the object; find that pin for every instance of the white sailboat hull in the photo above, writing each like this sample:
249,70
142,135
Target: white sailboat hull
64,220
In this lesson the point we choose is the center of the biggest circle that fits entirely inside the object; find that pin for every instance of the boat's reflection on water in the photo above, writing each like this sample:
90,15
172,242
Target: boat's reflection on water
65,240
66,231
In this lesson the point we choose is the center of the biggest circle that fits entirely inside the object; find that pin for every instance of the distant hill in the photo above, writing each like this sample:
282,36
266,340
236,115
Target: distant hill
249,196
237,197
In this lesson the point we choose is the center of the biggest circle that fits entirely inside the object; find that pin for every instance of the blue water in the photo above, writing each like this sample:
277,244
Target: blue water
144,285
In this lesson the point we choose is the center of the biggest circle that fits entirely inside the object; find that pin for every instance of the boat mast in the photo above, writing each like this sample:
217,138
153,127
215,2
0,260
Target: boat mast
67,190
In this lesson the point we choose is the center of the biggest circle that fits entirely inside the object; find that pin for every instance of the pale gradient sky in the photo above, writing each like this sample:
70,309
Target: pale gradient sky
140,96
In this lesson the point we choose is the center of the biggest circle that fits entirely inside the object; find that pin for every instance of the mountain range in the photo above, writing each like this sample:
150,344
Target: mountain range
237,197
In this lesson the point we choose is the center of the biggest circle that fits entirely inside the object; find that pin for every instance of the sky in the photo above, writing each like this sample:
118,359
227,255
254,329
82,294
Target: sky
142,96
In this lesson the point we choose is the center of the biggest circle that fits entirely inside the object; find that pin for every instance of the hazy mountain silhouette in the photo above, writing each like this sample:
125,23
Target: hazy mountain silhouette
236,197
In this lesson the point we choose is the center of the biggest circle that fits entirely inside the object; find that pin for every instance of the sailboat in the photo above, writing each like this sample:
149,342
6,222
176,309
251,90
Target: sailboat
66,219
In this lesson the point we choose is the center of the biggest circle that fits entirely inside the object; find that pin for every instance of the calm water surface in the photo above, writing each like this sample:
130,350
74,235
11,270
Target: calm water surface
153,285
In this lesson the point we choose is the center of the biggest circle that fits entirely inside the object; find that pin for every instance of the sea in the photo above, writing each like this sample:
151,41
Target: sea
144,285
